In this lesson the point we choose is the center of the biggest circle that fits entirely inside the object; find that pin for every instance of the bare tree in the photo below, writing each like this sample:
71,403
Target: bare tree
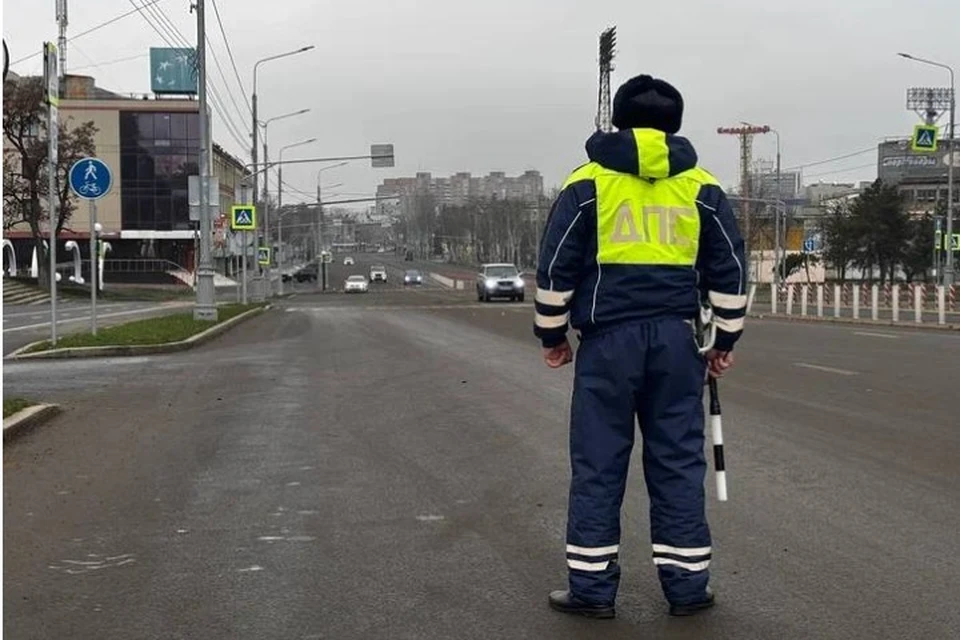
25,173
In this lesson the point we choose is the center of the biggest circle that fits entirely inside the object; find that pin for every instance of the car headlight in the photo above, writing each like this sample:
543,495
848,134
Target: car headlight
491,283
519,283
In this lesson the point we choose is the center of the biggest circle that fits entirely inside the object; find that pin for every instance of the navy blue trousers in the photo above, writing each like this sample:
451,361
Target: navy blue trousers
649,371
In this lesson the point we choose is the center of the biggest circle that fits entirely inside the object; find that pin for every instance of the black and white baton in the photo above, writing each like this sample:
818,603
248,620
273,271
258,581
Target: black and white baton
716,427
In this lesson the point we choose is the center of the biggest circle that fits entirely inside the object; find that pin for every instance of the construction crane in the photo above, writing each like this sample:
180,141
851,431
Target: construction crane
608,43
745,133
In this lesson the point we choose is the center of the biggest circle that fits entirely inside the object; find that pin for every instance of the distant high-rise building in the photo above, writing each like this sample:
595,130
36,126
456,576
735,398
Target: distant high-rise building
461,187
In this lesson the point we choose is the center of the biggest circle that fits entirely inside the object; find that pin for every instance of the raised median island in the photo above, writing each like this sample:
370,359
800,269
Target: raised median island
13,406
174,332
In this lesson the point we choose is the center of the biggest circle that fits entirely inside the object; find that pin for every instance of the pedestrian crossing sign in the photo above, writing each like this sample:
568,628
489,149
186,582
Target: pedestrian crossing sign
925,138
263,256
243,217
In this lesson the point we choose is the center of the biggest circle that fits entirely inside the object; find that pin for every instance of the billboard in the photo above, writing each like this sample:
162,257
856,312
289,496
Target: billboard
897,162
173,71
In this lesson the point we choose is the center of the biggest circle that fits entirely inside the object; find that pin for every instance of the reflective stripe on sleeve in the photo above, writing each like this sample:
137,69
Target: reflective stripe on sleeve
728,325
727,301
554,298
551,322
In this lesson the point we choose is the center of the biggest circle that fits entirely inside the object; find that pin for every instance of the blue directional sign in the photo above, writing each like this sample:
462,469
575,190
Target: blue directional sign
90,178
808,245
243,217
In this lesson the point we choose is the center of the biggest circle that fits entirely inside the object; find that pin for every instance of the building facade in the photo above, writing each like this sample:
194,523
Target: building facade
152,146
920,177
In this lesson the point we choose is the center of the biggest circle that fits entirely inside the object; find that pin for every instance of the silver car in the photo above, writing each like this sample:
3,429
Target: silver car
501,280
356,284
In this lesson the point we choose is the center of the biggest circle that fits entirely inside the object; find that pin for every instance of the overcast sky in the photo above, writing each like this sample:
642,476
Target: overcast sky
510,85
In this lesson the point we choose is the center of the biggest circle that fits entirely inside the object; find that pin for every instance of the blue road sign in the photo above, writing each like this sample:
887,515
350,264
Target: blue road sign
808,245
263,256
90,178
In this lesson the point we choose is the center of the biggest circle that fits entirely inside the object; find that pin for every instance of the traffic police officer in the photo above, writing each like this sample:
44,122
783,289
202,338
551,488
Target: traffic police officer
638,239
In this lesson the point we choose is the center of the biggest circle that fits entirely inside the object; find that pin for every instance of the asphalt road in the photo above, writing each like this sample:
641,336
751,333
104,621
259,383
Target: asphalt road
395,465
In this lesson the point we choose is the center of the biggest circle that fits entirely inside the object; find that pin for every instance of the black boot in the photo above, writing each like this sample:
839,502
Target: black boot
693,608
566,602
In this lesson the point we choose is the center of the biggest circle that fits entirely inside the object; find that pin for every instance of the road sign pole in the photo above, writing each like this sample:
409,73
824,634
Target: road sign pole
93,267
52,83
949,270
243,277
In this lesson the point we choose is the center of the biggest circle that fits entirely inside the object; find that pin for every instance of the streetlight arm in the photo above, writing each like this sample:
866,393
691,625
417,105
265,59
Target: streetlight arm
286,115
276,57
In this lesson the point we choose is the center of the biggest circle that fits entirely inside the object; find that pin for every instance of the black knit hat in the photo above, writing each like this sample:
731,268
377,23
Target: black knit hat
647,102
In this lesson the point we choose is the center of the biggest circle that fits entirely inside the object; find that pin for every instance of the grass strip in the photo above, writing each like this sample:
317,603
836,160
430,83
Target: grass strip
149,331
13,406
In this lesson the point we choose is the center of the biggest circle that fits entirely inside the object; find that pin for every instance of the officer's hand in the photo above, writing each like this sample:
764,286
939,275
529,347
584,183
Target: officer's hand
718,362
557,356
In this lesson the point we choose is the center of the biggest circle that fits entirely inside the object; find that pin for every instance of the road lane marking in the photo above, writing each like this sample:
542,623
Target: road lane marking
871,334
817,367
99,317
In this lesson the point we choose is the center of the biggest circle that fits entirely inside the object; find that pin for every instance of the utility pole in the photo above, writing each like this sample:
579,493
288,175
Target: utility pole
62,40
206,307
745,133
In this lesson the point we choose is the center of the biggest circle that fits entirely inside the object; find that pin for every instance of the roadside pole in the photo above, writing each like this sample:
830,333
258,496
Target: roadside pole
93,267
52,83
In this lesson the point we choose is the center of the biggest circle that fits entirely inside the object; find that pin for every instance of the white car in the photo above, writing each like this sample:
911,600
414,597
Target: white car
348,261
356,284
378,273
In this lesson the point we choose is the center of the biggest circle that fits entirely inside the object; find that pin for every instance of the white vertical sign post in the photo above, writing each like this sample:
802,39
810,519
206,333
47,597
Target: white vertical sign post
90,180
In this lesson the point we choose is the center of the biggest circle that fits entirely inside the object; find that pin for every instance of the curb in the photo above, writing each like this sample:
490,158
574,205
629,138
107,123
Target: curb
136,349
856,321
28,418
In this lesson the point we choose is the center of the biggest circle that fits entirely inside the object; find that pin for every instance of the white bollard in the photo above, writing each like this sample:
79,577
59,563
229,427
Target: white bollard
837,293
856,302
895,292
875,302
789,299
805,290
918,303
819,300
941,305
750,296
773,298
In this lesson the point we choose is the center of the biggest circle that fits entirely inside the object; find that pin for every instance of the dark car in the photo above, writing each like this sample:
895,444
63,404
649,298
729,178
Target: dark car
308,273
500,281
412,277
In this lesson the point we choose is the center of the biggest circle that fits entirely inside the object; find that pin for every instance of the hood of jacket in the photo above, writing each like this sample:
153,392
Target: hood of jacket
647,153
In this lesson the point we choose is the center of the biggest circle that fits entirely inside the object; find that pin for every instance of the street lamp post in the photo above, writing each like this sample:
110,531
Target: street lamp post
254,110
280,197
319,227
778,219
266,188
948,271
